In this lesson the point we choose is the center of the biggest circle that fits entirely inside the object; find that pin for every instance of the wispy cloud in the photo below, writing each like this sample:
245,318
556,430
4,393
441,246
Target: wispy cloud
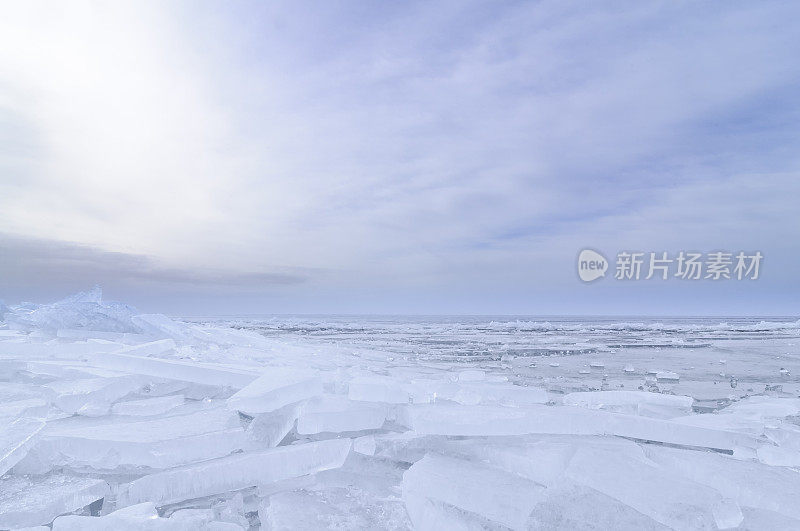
413,148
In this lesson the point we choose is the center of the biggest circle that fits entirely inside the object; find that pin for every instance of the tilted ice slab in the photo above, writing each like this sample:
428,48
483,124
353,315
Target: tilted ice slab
92,396
26,502
29,407
275,388
749,483
331,413
269,429
186,371
633,402
150,348
147,406
378,389
158,325
235,472
763,407
653,491
157,443
16,438
143,516
443,419
54,349
468,392
493,494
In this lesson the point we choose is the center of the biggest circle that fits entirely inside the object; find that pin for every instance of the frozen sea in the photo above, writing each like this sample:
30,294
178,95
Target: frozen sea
113,419
708,353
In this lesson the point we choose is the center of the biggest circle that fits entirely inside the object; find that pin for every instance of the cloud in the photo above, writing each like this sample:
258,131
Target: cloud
47,266
414,148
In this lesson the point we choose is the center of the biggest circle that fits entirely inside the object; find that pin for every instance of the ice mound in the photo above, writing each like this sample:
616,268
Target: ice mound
85,311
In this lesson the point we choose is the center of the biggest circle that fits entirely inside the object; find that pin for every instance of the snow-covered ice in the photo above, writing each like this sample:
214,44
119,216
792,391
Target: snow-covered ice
110,419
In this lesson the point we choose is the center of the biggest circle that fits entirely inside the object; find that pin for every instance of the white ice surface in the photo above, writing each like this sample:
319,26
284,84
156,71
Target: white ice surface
28,502
275,388
235,472
354,423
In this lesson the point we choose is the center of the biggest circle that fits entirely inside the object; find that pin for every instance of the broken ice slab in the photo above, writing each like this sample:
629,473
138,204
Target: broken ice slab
777,456
472,393
365,445
542,461
235,472
654,491
271,428
493,494
633,403
143,516
156,444
667,376
92,396
377,389
764,407
750,483
275,388
187,371
441,419
29,502
158,325
505,394
568,507
332,508
151,348
148,406
717,421
331,413
29,407
83,334
16,438
31,350
471,375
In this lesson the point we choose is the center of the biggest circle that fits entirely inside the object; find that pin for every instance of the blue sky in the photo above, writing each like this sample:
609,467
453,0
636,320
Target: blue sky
409,157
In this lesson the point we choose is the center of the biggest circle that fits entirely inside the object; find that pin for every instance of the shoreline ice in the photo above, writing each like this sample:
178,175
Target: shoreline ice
110,419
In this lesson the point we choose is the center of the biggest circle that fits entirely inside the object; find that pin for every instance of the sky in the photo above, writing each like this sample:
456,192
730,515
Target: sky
448,157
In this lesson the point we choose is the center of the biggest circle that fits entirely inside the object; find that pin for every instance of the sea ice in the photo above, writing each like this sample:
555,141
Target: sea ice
495,495
656,492
331,413
667,376
633,402
142,516
84,310
455,420
375,389
158,325
148,406
275,388
365,445
196,372
28,502
235,472
750,483
92,396
271,428
16,437
155,443
151,348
